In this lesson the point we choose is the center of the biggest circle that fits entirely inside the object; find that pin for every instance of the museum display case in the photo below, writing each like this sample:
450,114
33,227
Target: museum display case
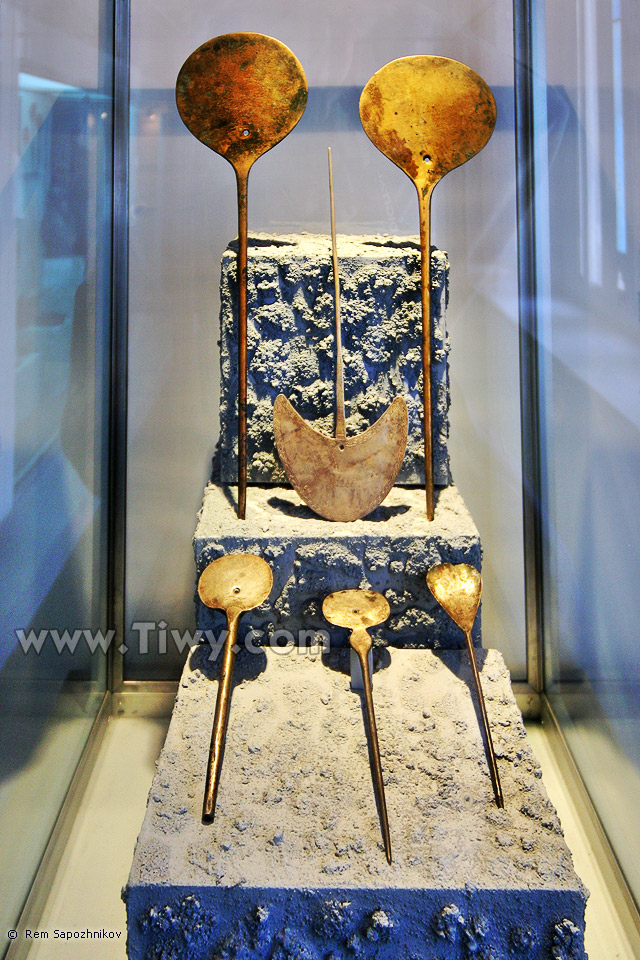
122,366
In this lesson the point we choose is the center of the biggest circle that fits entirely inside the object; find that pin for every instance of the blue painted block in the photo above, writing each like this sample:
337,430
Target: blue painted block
389,551
291,344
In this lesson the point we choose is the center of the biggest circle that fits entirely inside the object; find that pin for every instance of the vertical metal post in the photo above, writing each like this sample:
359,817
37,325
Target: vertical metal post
119,339
102,198
523,13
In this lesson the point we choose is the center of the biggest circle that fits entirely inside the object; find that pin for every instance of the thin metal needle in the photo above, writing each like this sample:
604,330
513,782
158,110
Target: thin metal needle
361,643
220,721
340,418
424,199
243,254
493,767
234,583
458,588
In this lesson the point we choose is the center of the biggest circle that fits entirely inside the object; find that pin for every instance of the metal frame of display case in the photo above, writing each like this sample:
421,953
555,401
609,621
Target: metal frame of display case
612,876
119,336
529,406
60,835
525,14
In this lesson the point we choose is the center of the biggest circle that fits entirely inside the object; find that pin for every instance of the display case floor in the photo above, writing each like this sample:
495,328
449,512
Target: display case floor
389,551
293,865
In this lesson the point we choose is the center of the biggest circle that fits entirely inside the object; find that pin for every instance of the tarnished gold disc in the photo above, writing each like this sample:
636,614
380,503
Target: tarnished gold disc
355,608
428,115
239,580
240,94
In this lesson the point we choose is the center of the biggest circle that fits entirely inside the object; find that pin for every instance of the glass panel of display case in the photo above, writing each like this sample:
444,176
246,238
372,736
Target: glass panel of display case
183,213
588,204
54,323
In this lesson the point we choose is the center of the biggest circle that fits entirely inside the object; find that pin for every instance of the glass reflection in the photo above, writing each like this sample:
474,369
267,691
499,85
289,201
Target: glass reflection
590,358
54,315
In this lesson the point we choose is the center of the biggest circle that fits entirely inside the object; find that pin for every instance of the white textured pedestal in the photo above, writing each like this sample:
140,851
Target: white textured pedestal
293,866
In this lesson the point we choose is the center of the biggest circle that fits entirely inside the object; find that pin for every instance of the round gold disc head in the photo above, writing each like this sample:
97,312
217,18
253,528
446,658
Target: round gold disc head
427,114
240,94
241,581
355,608
457,587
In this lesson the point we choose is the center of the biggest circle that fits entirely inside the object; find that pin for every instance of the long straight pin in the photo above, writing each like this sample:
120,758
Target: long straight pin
458,587
233,583
357,610
242,282
359,639
491,755
361,643
341,431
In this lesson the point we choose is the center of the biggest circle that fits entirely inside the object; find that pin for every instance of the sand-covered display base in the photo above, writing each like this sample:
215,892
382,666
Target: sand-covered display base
293,865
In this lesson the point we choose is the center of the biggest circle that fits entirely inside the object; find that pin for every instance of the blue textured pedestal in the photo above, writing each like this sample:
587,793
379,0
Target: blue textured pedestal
293,866
390,551
291,344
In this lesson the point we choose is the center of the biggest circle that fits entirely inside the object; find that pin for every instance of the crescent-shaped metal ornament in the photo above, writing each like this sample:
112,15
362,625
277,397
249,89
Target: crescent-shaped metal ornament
341,478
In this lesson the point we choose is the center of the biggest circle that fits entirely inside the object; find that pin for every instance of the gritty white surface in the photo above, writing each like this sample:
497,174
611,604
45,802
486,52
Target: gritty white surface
279,511
296,832
296,743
